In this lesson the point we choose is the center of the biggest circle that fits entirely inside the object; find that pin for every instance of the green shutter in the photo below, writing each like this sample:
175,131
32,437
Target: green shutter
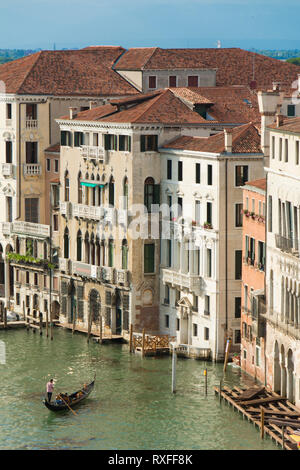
149,258
106,141
156,199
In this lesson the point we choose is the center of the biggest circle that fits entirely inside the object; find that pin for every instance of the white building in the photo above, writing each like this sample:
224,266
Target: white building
201,279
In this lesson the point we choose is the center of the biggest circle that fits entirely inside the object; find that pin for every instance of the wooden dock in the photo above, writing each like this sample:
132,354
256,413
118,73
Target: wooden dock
107,336
13,324
272,414
151,345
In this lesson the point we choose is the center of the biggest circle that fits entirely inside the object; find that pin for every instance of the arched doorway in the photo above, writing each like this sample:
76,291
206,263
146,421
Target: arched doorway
72,302
118,313
94,306
277,374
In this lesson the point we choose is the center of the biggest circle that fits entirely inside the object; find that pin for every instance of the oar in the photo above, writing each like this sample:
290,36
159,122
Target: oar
67,405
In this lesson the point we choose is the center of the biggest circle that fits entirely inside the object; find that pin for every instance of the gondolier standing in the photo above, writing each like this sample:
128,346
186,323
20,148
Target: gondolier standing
50,387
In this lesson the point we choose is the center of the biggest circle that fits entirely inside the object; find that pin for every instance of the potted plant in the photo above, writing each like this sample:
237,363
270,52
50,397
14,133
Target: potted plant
207,225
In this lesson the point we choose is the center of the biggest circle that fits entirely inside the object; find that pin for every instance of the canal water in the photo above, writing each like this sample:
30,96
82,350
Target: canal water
131,407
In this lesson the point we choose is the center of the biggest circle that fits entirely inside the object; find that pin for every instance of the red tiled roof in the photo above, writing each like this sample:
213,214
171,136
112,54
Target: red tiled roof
245,139
85,72
55,148
288,124
160,107
235,104
234,66
260,183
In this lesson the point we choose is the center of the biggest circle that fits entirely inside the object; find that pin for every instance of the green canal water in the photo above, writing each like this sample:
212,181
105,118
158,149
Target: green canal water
131,407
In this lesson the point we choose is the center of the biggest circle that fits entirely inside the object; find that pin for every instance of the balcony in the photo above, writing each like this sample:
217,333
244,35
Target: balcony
288,245
87,212
32,169
191,282
109,215
31,123
7,169
121,276
92,153
65,208
85,270
26,228
65,265
107,274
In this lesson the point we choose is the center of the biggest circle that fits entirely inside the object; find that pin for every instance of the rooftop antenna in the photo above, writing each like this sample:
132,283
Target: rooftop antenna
219,44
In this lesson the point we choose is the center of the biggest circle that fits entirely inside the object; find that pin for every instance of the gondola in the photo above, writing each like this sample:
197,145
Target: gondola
59,405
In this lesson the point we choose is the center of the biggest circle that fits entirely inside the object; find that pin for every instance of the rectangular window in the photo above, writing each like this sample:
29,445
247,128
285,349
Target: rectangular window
56,169
172,81
237,336
9,215
31,111
27,301
8,111
246,298
251,253
167,324
286,151
198,174
206,334
149,143
18,299
193,80
78,139
238,264
149,250
31,152
207,305
48,164
32,210
169,169
27,277
8,151
241,175
209,265
209,175
280,149
125,143
261,255
177,324
198,212
209,212
195,303
257,356
180,171
167,295
66,138
179,203
55,222
237,307
152,81
273,146
297,152
270,215
35,279
195,329
110,142
238,215
291,110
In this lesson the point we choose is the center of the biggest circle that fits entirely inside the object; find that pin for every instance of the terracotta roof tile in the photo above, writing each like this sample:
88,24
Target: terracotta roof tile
288,124
260,183
161,107
55,148
245,139
85,72
234,66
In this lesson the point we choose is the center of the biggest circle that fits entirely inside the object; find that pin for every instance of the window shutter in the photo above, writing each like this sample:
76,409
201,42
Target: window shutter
156,198
143,143
62,138
149,258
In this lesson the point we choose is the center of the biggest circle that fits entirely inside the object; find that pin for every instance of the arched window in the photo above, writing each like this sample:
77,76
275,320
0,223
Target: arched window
79,245
93,252
66,243
124,254
149,193
110,253
125,193
67,186
79,188
98,258
86,192
87,248
111,192
103,259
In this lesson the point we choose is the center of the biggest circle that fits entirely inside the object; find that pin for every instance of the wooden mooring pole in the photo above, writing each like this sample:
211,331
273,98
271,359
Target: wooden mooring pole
205,375
143,343
262,422
100,339
5,318
174,370
41,323
47,324
130,337
228,343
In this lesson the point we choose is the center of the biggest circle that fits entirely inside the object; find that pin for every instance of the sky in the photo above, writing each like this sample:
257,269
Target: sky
261,24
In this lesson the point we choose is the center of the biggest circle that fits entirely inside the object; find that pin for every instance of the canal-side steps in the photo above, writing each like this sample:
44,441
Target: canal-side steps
107,336
271,413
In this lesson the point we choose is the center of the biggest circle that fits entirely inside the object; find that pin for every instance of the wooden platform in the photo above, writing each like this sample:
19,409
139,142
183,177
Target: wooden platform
280,418
13,325
107,337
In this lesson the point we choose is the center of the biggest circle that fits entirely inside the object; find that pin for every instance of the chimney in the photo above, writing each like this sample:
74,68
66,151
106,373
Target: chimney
279,120
93,104
228,140
269,103
72,112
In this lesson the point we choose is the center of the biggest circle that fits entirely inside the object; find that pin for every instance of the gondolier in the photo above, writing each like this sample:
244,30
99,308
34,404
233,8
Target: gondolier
50,387
65,401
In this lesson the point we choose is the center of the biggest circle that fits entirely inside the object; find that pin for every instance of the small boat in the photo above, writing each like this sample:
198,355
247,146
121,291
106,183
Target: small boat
74,399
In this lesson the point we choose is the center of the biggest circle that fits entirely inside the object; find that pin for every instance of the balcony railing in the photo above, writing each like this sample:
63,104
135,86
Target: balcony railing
32,169
26,228
94,153
31,123
121,276
7,169
87,212
65,265
85,270
192,282
288,245
65,208
107,274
